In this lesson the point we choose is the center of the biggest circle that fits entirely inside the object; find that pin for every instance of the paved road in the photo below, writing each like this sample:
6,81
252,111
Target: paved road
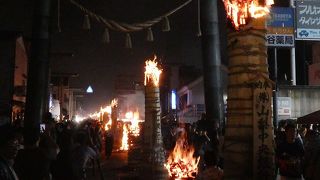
114,168
117,168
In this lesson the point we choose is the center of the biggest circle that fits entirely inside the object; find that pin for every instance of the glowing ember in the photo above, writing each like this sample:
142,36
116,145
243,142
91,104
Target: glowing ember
181,163
152,72
239,11
124,142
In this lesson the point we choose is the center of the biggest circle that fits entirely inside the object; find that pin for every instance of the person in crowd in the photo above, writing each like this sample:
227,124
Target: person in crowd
289,155
32,162
211,170
9,145
62,167
109,143
81,155
311,165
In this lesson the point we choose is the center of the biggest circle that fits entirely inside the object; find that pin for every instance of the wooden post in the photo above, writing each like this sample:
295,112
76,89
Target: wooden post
247,64
152,128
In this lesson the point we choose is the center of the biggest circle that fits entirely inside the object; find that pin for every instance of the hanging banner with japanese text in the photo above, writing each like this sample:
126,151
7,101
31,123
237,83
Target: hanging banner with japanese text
263,142
280,27
308,19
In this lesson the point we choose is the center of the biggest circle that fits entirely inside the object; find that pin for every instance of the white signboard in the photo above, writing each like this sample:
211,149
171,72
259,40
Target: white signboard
280,40
308,19
284,106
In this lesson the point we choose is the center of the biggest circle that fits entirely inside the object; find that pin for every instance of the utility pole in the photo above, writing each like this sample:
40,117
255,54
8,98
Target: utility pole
7,66
38,73
211,68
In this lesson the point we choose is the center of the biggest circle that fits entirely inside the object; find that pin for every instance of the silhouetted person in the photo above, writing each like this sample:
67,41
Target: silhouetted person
62,166
210,171
81,155
32,163
8,150
289,155
109,143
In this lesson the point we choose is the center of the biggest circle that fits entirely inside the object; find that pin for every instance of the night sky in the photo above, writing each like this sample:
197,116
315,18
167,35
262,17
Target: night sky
98,64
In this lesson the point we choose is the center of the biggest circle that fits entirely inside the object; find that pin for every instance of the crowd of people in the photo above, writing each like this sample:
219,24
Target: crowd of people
298,151
62,151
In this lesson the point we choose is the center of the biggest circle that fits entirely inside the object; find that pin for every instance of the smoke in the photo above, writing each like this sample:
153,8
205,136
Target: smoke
132,102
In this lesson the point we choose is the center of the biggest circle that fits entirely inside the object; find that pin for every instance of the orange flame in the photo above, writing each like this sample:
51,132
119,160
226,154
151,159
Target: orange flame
114,103
152,72
124,142
239,11
107,126
133,118
103,110
181,163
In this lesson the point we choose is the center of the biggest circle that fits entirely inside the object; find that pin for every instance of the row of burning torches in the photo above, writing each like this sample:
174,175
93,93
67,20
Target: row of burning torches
181,162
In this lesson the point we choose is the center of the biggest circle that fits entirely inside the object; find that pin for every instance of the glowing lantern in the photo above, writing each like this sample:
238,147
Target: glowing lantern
239,11
152,72
181,163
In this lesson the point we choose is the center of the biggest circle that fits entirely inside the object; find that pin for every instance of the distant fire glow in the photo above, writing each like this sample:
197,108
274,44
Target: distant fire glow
114,103
239,11
181,163
152,72
133,118
107,126
79,118
124,141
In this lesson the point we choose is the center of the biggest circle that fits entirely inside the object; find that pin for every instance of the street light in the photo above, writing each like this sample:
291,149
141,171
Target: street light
89,89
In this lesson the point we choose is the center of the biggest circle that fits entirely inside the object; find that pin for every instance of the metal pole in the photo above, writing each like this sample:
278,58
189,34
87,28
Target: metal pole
293,56
275,92
38,72
211,67
7,67
293,66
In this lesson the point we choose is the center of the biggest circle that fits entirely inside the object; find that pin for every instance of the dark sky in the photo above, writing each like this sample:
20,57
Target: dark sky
98,64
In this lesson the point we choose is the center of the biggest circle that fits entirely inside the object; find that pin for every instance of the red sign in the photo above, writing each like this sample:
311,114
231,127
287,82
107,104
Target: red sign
314,74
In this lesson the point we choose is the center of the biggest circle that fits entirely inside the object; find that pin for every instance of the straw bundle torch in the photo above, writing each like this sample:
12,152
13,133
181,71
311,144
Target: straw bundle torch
152,126
248,139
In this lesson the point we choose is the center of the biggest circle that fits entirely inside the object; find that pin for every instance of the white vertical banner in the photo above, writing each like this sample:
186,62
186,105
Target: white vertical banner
263,136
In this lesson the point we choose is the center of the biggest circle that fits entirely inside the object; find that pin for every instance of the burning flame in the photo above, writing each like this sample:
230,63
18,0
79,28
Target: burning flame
239,11
152,72
133,118
106,109
114,103
181,163
107,126
124,142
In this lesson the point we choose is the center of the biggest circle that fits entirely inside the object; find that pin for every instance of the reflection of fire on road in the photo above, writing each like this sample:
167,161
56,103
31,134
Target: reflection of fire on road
124,141
181,163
